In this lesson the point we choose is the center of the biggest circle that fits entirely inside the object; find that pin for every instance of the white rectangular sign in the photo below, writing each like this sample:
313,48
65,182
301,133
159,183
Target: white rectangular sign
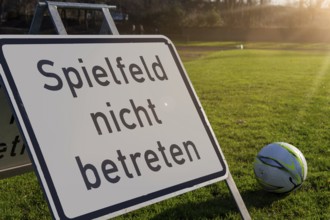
112,123
13,154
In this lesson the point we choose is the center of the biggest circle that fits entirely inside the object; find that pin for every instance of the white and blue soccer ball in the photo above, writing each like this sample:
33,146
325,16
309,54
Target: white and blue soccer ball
280,167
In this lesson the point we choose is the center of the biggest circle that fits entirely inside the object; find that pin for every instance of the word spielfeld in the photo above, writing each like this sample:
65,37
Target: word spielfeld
132,116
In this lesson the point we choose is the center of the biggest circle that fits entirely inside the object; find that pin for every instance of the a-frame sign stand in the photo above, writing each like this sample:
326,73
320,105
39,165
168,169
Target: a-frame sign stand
159,66
108,25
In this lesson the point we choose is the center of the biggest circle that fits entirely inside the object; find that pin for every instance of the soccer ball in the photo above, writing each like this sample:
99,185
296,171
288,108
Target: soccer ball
280,167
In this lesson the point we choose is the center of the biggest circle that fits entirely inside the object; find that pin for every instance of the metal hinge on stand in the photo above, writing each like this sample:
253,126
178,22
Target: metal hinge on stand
108,25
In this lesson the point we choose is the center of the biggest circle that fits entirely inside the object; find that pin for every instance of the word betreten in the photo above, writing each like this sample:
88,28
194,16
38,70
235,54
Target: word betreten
131,164
14,148
102,74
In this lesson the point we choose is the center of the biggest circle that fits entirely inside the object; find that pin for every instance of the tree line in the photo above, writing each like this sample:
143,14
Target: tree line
175,14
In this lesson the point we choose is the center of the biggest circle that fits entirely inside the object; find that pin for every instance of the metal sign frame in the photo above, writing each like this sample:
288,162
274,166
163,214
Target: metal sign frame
229,180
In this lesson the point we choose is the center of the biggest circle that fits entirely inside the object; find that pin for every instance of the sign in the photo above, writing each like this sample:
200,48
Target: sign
13,154
112,123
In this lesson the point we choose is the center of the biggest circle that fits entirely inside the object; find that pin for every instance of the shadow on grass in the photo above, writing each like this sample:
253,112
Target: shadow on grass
222,206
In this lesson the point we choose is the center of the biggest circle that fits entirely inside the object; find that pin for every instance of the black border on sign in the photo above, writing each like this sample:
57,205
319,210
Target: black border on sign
45,172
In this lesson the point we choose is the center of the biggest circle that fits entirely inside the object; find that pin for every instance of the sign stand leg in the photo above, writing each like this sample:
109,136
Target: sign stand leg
238,198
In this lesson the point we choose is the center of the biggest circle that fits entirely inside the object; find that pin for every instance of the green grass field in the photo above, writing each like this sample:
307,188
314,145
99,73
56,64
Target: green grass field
252,97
